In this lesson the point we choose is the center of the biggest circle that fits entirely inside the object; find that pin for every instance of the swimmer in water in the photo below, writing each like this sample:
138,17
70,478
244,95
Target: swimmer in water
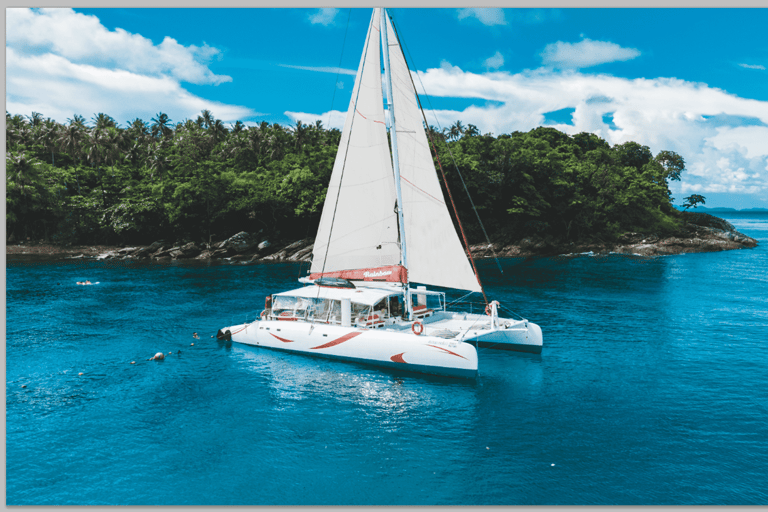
194,335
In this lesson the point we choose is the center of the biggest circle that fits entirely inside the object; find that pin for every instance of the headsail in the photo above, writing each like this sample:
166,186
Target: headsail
435,253
358,233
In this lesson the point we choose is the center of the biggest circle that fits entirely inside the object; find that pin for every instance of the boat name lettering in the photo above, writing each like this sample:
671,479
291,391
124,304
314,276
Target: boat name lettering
378,273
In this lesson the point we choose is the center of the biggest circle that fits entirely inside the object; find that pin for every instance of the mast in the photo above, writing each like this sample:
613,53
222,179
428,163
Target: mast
395,160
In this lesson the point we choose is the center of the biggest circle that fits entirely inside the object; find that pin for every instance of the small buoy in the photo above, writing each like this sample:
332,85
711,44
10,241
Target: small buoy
159,356
133,362
192,344
487,448
169,353
80,373
553,464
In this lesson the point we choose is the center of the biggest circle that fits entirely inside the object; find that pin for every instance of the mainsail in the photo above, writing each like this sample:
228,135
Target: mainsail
358,230
358,237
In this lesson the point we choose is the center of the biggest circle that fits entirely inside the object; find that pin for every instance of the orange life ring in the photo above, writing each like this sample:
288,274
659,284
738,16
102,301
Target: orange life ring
488,308
420,328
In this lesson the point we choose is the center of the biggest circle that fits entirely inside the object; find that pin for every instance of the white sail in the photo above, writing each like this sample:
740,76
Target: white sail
358,233
436,256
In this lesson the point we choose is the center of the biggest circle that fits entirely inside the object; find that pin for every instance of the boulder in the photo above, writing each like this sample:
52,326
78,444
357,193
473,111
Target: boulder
189,250
301,255
240,242
264,244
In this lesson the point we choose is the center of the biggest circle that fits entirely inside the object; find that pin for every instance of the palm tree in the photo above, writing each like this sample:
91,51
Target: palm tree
103,121
77,120
207,118
36,119
160,125
21,172
70,139
471,130
218,131
48,135
300,134
456,130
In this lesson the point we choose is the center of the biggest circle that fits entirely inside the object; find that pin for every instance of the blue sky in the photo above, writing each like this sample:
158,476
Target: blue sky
687,80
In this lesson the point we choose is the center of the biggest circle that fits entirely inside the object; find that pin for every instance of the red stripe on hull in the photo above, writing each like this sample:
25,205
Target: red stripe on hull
398,358
282,339
454,353
337,341
391,273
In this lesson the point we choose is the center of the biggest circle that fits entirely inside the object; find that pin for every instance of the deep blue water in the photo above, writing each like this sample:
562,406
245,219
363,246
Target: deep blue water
652,389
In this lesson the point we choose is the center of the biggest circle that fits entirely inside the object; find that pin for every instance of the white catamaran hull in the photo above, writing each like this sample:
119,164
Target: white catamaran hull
378,347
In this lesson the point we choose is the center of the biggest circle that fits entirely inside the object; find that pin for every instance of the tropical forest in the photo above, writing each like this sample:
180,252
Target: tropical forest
97,182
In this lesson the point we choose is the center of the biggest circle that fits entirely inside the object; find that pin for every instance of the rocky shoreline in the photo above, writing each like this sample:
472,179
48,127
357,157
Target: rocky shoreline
701,233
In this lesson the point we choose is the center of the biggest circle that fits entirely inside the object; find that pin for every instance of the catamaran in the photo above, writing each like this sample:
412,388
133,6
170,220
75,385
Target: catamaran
384,232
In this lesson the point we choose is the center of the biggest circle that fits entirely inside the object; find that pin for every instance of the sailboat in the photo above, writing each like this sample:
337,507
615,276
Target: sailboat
385,226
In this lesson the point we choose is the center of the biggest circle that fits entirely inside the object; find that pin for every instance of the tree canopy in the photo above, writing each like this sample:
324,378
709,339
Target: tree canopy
198,180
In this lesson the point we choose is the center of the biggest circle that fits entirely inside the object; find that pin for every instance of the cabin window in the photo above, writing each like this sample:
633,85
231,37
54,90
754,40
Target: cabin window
381,308
395,305
282,303
431,301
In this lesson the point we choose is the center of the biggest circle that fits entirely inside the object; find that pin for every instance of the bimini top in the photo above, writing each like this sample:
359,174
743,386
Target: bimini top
359,295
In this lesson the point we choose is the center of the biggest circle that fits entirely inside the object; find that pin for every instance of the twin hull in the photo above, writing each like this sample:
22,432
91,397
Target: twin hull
379,347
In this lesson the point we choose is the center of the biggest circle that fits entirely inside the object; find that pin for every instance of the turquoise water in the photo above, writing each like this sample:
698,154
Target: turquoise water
651,389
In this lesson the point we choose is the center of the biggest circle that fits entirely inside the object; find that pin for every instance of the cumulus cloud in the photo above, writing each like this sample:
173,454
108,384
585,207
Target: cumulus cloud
59,88
485,16
61,63
83,39
584,54
495,61
704,124
324,16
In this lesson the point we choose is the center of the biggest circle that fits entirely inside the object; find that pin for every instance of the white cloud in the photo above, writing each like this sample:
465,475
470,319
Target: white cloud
663,113
336,118
59,88
495,61
486,16
752,66
323,69
585,54
324,16
62,63
83,39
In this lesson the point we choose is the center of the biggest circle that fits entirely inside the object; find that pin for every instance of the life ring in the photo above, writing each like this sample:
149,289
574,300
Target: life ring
263,314
488,309
417,328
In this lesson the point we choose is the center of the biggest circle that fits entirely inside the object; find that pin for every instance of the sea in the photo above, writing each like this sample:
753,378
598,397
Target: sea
651,389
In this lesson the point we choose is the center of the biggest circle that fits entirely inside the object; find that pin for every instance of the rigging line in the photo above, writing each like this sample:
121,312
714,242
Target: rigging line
450,195
487,238
344,163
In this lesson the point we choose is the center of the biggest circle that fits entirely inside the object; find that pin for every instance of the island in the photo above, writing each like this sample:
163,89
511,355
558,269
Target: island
200,189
